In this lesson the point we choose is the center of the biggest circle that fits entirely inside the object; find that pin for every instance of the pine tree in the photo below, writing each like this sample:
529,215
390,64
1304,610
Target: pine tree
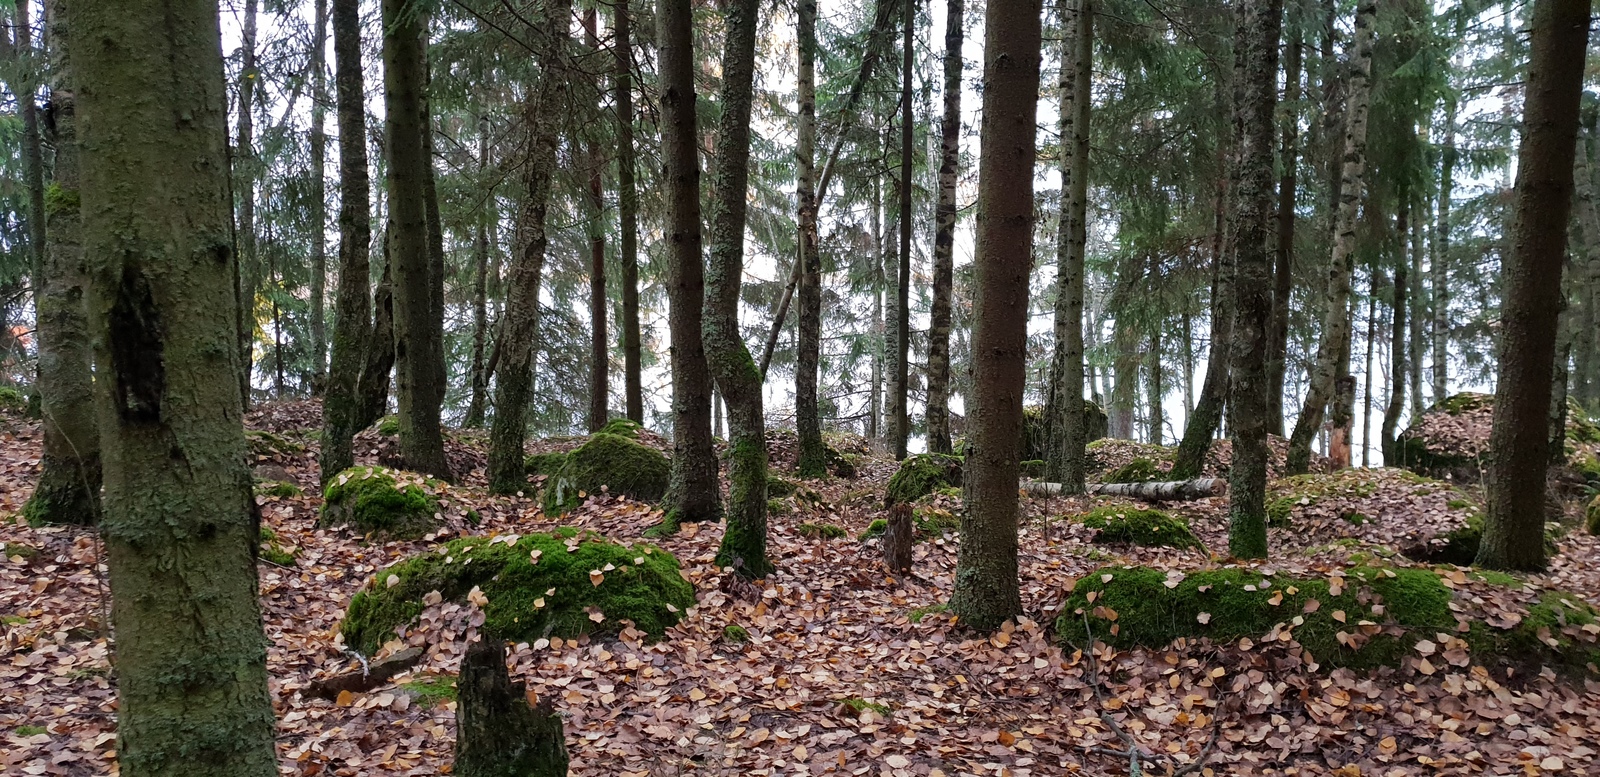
813,455
1069,425
938,411
319,195
627,210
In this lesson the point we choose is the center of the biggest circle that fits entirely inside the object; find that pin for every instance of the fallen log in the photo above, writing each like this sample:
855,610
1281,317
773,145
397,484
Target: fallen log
1166,491
367,677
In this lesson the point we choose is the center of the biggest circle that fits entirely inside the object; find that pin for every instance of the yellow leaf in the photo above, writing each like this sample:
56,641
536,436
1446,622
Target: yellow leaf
345,699
1277,598
596,577
1338,615
695,694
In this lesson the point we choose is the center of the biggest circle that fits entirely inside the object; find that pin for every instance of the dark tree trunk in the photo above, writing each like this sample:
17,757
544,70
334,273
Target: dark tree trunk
938,411
900,369
192,694
1256,68
1066,463
244,184
319,198
1201,426
418,333
1418,308
1439,273
544,108
599,345
1513,529
480,288
986,590
24,86
898,540
352,332
693,493
744,544
628,210
1283,266
68,488
808,423
372,392
1398,362
497,733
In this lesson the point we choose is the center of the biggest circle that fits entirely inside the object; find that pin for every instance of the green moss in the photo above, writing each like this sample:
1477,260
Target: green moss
12,620
1580,427
1145,528
29,731
1140,470
916,615
950,491
279,489
1459,546
1238,603
1280,511
1354,518
12,400
875,529
623,427
778,487
1591,518
1530,640
1496,578
539,586
430,691
389,425
919,475
822,531
276,554
59,199
544,463
623,466
1456,404
374,501
1033,469
779,507
932,522
858,704
1460,504
735,634
267,445
18,550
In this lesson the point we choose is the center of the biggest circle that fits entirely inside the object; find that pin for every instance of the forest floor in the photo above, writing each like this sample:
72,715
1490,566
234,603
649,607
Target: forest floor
848,670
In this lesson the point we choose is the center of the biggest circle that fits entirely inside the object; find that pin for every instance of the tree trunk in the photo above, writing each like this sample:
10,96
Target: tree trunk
352,323
24,84
1331,350
986,590
1069,432
178,529
1417,342
599,344
497,733
900,370
1202,423
372,391
898,540
1398,361
875,397
627,210
480,288
319,198
1256,69
544,108
1440,271
1513,528
694,493
938,410
1283,256
418,334
1161,491
1374,280
1586,271
744,544
244,181
68,488
1152,371
813,455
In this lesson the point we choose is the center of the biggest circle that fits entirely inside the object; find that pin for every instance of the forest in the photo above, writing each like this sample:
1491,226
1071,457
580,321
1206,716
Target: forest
532,388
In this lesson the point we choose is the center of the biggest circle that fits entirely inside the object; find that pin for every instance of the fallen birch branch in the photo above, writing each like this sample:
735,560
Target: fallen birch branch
1166,491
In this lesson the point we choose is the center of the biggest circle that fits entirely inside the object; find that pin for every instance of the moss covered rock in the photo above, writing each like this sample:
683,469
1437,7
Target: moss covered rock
617,463
1376,618
624,427
1145,528
266,445
547,464
376,500
921,475
1140,470
13,400
537,585
1591,516
1035,438
1459,546
389,425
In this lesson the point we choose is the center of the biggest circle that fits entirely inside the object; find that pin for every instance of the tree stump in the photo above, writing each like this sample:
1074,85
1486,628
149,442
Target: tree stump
497,733
897,539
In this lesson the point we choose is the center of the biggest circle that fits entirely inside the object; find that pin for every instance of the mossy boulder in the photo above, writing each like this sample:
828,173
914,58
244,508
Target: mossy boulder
376,500
537,585
12,400
778,487
927,523
625,427
1591,517
1140,470
389,425
547,464
611,461
1119,525
1377,617
1036,441
920,475
1459,546
282,489
266,445
822,531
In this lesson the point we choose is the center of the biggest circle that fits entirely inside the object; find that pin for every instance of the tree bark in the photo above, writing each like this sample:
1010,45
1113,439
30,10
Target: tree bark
628,211
599,344
68,488
693,493
244,181
938,410
480,287
1374,282
1332,350
497,733
1153,375
986,592
418,333
1283,256
1202,423
178,528
1414,299
744,544
898,540
1439,274
900,370
1069,432
545,106
1256,69
1398,361
813,455
1513,528
319,198
1161,491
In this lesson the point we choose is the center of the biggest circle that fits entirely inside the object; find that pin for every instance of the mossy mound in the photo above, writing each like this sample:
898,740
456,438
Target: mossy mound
1035,438
1284,496
1376,619
1146,528
620,465
926,522
1140,470
821,531
1591,516
624,427
547,464
266,445
10,550
920,475
278,488
734,634
1459,546
376,500
537,585
778,488
12,400
389,425
1581,428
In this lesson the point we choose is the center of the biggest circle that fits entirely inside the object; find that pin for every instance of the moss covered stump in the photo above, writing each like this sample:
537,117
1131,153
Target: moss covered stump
1118,525
380,501
921,475
562,584
498,734
611,461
